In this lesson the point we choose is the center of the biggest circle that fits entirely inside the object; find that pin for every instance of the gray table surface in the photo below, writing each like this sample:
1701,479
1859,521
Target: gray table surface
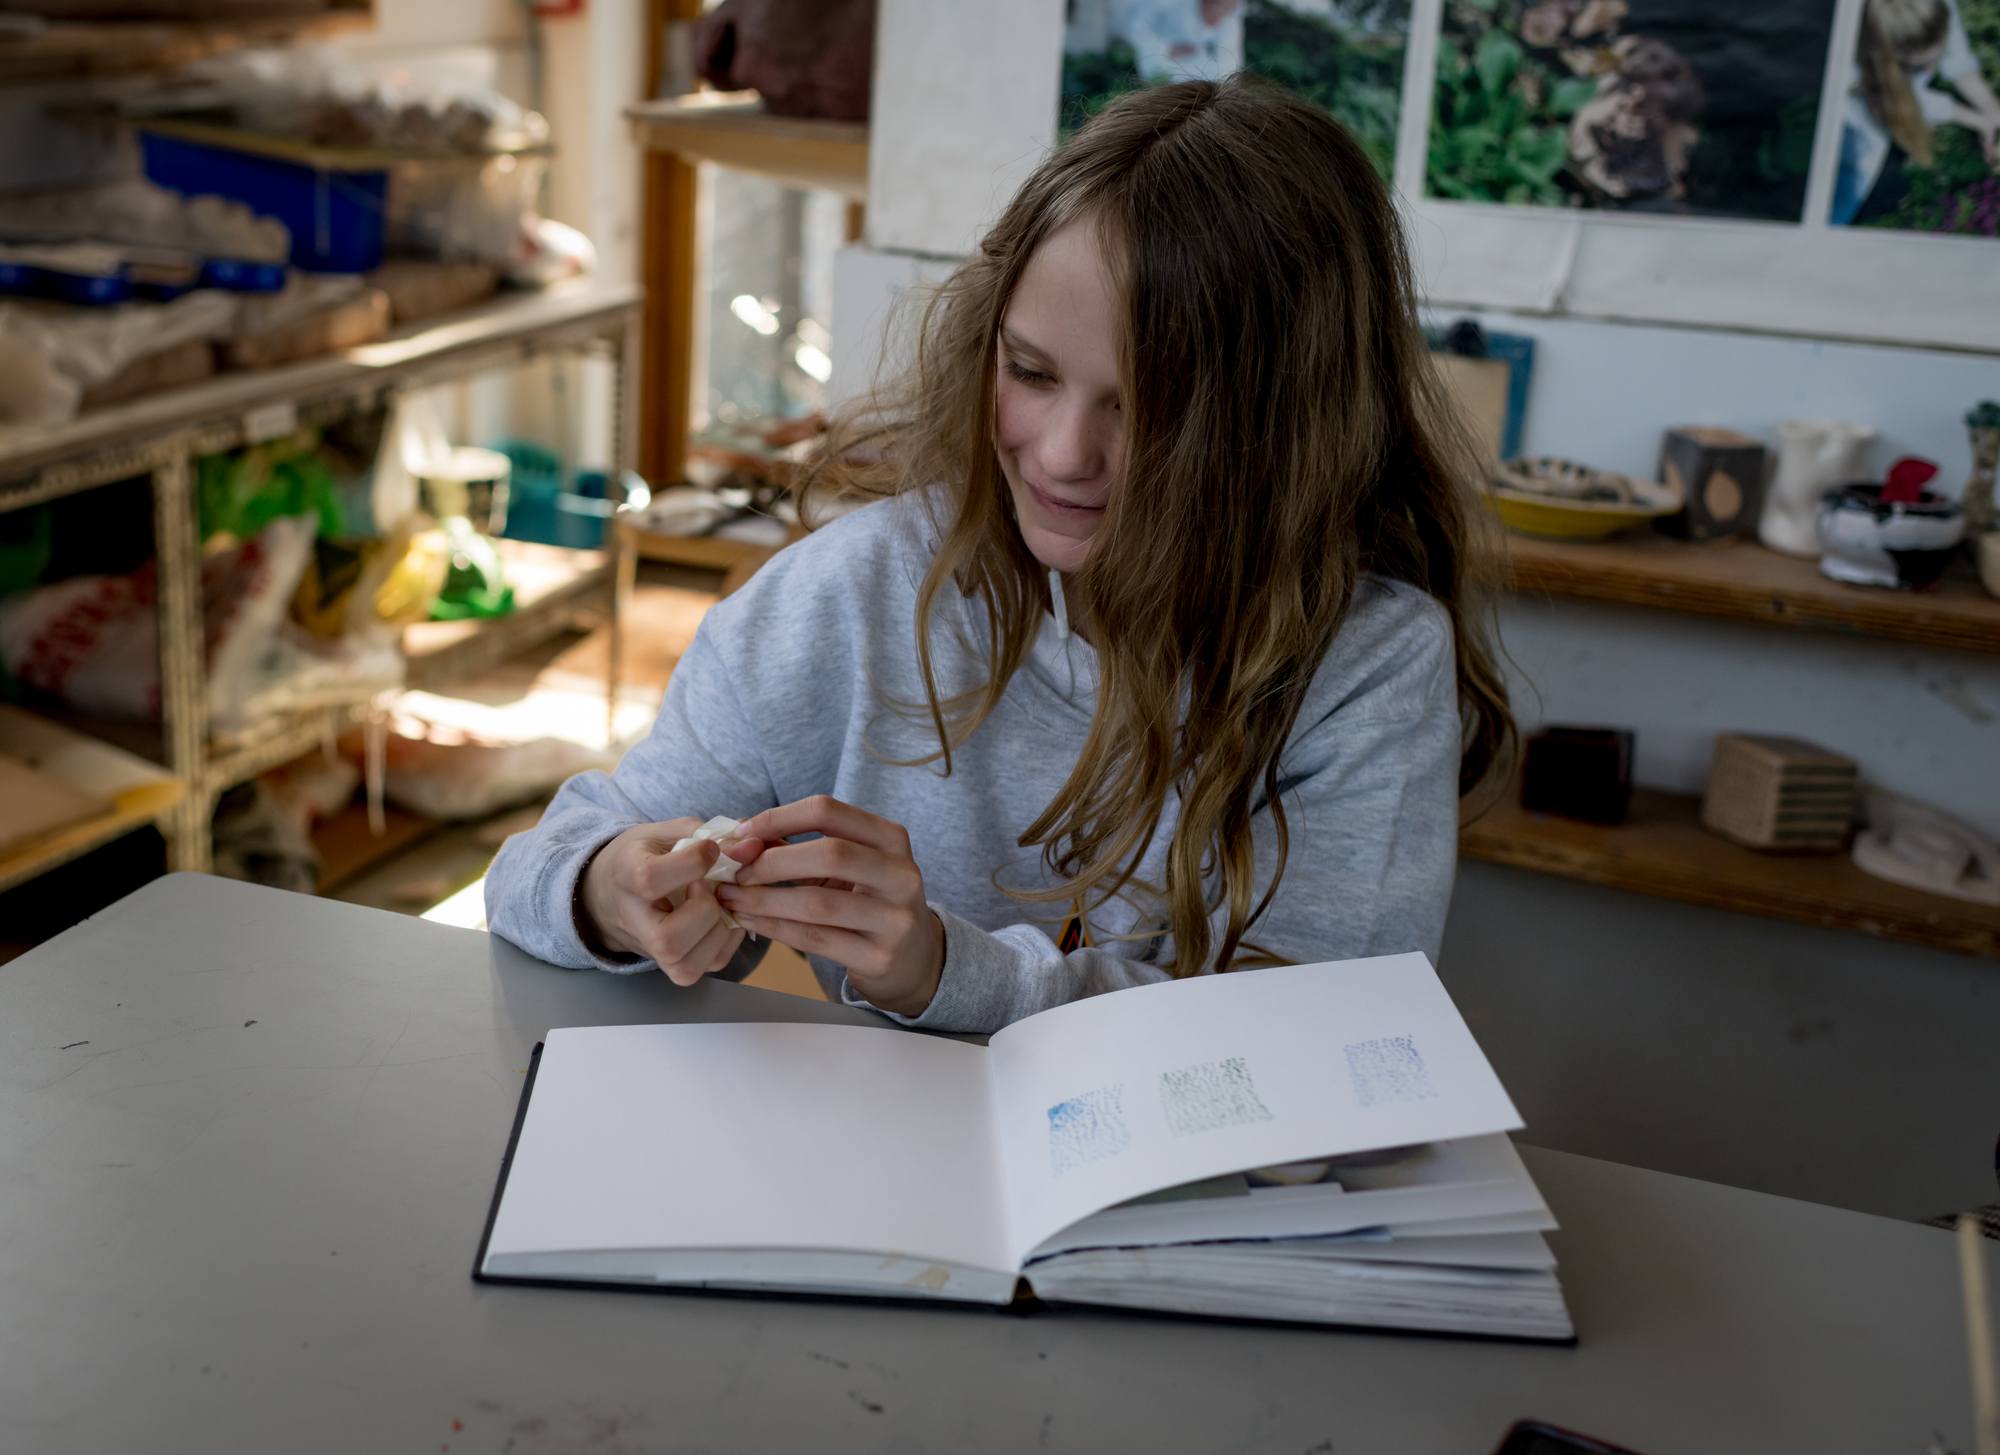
248,1140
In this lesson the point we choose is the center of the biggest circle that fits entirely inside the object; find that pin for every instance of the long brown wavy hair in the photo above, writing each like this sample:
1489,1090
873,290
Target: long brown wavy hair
1286,436
1891,31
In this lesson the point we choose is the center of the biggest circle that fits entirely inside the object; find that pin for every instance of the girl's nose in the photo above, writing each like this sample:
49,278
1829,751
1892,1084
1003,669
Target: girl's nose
1073,447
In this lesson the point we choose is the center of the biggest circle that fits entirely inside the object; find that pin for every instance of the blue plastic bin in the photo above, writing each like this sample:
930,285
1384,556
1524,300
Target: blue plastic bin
87,290
336,217
235,276
545,505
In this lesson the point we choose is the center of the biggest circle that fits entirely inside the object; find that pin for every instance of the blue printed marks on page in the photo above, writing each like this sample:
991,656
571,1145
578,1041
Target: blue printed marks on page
1088,1128
1387,1071
1211,1095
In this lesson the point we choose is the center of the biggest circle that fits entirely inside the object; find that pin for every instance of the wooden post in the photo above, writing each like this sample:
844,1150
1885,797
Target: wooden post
667,269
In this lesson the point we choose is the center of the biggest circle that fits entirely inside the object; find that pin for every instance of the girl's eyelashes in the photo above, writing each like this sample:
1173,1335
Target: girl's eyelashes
1037,379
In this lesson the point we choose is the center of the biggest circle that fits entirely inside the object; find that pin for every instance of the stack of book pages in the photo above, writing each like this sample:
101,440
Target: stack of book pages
1313,1143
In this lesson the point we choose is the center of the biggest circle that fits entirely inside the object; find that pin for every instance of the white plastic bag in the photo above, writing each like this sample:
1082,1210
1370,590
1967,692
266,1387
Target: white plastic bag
93,641
51,353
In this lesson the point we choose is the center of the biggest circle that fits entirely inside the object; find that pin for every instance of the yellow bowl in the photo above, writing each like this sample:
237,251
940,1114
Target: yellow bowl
1535,513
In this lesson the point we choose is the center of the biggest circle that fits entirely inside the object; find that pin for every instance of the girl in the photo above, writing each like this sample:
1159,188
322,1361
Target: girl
1160,635
1907,46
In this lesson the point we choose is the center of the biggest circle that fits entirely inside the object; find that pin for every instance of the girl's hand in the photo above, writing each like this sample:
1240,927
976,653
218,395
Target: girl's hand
854,896
638,897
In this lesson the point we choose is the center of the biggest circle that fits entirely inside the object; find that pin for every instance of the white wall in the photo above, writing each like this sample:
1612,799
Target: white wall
874,293
1922,722
594,63
1593,380
1801,1061
1926,723
409,26
964,105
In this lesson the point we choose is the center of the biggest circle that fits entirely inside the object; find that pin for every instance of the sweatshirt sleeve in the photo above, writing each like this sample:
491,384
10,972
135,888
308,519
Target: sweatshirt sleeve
1371,805
700,759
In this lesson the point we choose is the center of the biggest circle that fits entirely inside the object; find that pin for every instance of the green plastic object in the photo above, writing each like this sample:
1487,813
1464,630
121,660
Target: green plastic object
240,492
24,556
474,585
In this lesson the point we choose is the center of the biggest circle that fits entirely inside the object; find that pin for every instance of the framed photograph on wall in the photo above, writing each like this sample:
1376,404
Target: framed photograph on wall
1346,55
1703,108
1920,132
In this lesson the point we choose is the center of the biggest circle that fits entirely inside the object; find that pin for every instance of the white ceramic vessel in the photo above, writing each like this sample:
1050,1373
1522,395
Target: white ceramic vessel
1814,456
1869,543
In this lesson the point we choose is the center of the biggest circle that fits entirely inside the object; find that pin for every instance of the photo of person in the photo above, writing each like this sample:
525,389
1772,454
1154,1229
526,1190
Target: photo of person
1695,107
1920,143
1165,40
1343,55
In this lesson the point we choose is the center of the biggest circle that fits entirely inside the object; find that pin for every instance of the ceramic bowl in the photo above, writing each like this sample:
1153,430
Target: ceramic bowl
1563,500
1868,543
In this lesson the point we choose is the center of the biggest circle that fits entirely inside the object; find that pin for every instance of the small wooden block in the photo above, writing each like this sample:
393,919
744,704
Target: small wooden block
1578,772
1721,476
1780,793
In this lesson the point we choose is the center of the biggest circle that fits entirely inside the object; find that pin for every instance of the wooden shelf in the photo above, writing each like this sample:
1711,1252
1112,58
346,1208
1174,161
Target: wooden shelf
122,47
229,759
732,129
218,413
738,561
1742,581
551,585
1663,850
136,791
134,808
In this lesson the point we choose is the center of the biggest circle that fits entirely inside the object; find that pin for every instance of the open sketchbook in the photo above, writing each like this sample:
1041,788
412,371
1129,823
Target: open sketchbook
1315,1142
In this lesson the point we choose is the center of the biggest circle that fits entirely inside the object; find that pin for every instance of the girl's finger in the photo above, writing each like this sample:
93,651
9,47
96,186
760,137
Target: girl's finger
842,946
840,860
659,876
743,850
825,814
844,910
710,953
680,930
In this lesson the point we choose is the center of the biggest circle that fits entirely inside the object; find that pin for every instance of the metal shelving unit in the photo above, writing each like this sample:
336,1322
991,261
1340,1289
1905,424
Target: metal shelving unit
71,49
161,436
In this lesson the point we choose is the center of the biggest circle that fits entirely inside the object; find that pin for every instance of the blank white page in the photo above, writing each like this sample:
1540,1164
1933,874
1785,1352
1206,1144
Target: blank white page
757,1136
1108,1098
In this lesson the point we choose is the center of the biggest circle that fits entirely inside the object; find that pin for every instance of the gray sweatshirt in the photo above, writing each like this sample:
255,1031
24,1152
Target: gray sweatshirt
789,689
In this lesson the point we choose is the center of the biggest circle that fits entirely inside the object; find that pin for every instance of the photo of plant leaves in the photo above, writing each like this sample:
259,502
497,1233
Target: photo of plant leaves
1920,136
1346,55
1689,107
